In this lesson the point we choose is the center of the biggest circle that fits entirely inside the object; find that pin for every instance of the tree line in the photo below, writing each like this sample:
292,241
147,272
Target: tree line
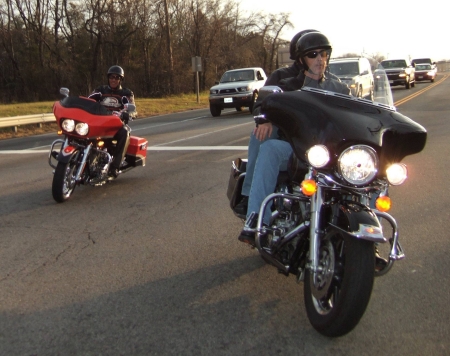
47,44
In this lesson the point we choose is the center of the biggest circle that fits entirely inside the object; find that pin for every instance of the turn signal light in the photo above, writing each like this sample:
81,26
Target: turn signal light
383,203
309,187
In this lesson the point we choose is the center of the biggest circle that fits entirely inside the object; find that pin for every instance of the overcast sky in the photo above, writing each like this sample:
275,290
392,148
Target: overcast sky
369,27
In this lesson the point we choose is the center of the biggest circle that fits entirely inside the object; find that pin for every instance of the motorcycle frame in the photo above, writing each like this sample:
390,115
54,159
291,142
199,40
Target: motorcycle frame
317,227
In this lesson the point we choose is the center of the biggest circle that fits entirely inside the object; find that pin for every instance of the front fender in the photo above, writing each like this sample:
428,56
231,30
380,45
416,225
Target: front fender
358,221
66,154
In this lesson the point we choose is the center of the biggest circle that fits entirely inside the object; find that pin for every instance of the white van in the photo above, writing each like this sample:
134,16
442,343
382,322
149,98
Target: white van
356,73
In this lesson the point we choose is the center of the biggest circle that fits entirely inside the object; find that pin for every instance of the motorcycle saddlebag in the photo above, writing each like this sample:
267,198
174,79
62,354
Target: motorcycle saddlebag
136,151
237,174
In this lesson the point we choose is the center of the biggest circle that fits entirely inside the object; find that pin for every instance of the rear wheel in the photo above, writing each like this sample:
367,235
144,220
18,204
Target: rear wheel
64,180
215,110
338,299
359,92
407,84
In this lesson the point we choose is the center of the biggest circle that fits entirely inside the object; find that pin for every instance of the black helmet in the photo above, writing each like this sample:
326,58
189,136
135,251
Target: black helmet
293,45
116,70
311,41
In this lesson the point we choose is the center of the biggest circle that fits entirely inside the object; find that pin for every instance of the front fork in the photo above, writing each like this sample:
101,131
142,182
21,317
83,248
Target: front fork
315,233
85,152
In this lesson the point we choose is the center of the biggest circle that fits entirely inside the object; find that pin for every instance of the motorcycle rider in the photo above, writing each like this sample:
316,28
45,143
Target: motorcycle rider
313,50
267,131
113,96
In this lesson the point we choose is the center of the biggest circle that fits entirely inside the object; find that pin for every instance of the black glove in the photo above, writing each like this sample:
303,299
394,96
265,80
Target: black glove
125,100
260,119
95,96
125,117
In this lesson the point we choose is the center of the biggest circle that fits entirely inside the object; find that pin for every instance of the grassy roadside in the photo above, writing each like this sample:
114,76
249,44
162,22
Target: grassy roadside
145,108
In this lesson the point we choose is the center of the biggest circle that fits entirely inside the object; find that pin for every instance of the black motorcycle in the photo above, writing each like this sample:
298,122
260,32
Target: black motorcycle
329,210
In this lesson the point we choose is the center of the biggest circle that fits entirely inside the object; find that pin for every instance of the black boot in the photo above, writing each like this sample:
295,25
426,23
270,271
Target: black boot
247,234
241,207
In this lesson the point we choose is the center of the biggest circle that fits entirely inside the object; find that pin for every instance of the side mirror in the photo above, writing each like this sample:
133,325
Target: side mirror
64,91
130,107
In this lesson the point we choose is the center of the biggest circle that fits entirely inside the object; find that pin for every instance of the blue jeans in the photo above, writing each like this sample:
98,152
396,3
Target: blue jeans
253,150
272,158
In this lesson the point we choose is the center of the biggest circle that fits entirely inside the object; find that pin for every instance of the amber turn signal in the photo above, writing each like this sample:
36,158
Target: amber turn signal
383,203
309,187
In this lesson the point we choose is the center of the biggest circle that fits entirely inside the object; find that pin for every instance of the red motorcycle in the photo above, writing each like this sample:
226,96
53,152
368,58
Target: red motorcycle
86,152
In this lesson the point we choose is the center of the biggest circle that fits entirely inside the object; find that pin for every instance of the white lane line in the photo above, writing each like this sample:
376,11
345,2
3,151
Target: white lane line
152,148
203,134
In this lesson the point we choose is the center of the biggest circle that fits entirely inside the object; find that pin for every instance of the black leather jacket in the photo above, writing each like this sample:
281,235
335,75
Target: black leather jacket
112,98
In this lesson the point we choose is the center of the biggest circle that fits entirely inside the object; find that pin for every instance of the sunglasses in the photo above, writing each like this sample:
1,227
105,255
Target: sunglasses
115,77
325,53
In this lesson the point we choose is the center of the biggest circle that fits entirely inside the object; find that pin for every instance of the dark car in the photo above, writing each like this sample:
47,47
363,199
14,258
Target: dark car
425,60
425,71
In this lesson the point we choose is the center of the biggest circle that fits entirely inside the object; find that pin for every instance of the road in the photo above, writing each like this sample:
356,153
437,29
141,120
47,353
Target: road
151,265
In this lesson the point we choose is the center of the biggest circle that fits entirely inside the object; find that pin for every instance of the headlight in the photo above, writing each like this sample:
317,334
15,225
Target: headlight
68,125
397,173
358,164
318,156
243,89
213,91
82,128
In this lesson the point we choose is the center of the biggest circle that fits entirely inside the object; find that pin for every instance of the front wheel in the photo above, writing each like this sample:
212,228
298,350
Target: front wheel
64,180
338,299
215,110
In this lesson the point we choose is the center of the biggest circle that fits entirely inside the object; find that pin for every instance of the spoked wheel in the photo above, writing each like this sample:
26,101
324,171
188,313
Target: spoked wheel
64,180
338,299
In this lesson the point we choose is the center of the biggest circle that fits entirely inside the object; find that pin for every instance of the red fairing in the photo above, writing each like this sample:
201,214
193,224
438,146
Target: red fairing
101,124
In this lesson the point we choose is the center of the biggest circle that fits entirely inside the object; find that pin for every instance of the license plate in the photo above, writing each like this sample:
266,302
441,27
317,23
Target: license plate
391,82
228,100
420,76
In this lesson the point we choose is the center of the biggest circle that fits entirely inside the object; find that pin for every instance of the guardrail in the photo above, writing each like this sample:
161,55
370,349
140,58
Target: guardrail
16,121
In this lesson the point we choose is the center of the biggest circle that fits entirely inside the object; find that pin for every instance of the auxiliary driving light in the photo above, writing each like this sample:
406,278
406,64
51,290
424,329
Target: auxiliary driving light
309,187
383,203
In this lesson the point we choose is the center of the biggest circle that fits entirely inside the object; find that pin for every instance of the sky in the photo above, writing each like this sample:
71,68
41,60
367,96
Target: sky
368,27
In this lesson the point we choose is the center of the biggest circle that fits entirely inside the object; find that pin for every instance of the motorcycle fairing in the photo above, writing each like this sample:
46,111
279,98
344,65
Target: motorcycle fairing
101,122
309,118
358,221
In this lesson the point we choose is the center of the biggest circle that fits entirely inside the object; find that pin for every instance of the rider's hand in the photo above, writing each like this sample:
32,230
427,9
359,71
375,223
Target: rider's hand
125,117
263,131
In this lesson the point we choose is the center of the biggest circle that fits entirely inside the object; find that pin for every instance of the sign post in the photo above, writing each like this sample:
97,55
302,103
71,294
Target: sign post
196,67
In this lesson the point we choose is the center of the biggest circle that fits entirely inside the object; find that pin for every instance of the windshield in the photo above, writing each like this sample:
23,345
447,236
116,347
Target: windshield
394,64
423,67
381,88
348,68
421,60
238,76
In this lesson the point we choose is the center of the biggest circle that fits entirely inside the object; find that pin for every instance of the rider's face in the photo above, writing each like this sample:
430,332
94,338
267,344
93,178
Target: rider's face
317,62
114,81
